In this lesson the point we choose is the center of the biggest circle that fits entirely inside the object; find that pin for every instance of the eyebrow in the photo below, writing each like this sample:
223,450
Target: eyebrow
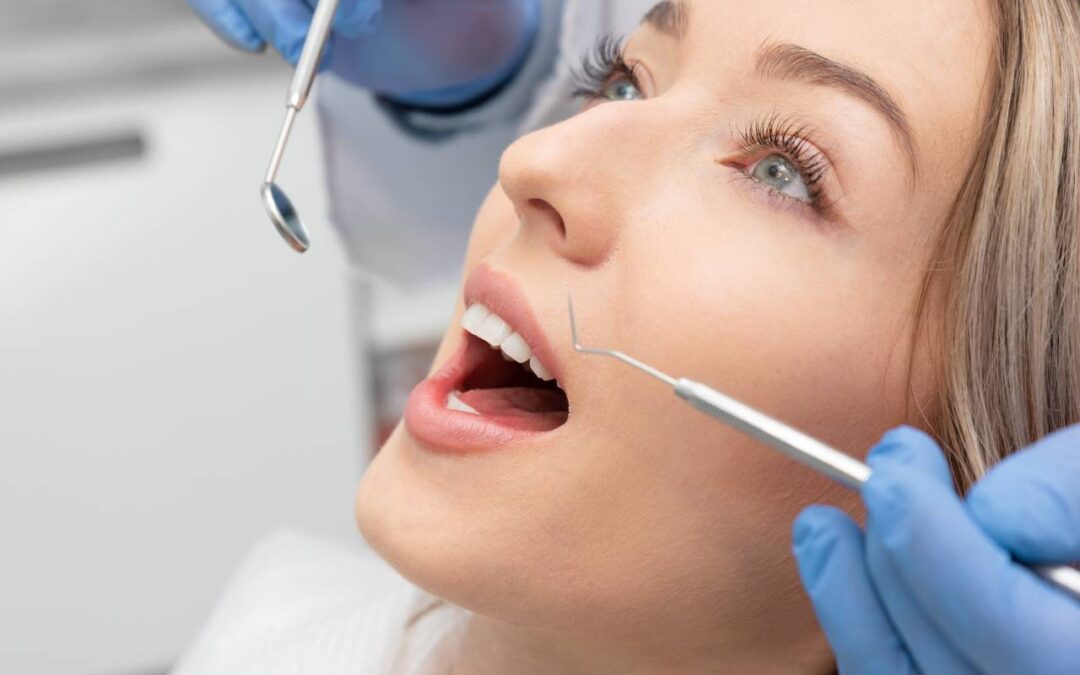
792,62
784,61
671,17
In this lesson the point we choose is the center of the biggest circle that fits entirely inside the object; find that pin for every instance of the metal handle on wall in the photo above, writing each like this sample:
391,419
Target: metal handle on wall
127,145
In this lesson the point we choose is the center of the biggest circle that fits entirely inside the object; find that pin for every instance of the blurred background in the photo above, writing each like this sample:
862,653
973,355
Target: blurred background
174,381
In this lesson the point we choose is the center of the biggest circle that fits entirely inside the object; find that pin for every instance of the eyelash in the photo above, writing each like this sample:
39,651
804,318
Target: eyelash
599,66
606,62
777,133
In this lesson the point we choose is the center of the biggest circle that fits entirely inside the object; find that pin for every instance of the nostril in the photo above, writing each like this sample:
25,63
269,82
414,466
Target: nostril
545,213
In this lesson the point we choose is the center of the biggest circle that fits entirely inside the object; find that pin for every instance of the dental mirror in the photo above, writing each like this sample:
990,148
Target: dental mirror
278,206
284,217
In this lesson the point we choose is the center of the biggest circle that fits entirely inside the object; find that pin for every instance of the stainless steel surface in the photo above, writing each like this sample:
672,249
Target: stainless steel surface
1064,577
312,53
809,451
613,354
283,215
282,141
804,449
278,206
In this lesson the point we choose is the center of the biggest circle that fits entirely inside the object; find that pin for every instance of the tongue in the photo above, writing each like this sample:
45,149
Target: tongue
520,407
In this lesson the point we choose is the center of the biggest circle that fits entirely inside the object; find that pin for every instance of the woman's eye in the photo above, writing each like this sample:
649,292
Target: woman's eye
777,172
622,89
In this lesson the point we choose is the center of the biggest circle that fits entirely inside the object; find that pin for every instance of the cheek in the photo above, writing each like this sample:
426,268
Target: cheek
656,508
784,322
495,226
808,328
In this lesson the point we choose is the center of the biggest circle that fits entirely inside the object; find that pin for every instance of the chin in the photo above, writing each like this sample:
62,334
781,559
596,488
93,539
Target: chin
450,551
410,529
384,525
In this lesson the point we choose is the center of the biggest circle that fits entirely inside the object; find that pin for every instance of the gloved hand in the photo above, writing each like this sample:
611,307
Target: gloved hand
931,587
429,52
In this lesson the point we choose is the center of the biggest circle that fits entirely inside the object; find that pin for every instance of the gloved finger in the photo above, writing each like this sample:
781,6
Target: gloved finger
910,447
909,451
231,24
829,549
1000,616
1030,503
929,648
354,17
282,23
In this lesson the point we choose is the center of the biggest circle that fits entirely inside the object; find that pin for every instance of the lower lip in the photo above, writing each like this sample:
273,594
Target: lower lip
441,430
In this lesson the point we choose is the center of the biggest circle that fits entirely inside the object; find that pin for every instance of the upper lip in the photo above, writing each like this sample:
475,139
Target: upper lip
501,294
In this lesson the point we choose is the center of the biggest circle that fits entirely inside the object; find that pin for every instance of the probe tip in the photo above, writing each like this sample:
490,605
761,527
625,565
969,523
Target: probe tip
573,323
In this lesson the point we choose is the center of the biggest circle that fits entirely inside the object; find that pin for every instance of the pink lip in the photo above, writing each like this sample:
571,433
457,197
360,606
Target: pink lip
450,432
501,294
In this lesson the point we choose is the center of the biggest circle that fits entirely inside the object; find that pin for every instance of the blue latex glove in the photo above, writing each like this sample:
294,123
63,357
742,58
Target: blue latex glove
427,52
932,587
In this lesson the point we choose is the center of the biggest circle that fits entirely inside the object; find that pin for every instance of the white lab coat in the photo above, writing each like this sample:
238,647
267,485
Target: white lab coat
403,208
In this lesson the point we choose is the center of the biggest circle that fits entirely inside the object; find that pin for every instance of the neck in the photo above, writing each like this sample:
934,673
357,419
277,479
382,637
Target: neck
491,647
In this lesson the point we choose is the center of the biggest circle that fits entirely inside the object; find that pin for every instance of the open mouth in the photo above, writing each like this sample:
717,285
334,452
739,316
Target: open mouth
503,380
501,389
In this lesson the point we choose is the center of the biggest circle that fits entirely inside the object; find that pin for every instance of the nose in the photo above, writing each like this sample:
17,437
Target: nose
573,184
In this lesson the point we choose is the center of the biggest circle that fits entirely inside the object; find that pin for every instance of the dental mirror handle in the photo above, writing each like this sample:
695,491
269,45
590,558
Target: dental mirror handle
303,78
829,461
314,46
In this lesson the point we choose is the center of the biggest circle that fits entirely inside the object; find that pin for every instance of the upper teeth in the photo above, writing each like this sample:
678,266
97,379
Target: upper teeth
492,329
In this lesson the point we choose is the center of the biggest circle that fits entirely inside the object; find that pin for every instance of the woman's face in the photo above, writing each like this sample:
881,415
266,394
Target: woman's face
753,206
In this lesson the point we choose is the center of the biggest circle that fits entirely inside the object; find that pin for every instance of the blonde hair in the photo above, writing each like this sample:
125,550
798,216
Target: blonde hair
1010,366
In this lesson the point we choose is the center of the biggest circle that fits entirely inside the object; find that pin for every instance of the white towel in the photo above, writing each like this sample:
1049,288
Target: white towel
301,605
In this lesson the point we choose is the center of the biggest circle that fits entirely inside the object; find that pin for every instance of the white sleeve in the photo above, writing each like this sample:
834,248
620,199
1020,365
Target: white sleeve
404,205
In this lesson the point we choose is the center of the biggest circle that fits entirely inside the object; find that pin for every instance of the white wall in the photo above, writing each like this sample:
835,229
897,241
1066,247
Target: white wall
174,381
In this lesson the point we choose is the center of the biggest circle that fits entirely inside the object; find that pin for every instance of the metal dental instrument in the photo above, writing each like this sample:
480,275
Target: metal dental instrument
804,449
278,206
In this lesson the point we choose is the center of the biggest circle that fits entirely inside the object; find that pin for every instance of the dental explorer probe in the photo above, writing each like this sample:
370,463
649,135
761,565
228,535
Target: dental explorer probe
804,449
280,209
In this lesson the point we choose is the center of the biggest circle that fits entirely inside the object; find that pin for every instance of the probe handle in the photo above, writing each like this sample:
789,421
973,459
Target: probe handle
314,45
824,459
804,449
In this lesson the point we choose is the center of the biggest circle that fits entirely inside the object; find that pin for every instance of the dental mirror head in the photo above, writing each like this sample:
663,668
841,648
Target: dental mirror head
278,206
283,214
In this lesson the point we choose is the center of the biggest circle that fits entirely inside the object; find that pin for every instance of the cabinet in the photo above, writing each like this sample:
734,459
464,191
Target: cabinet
174,381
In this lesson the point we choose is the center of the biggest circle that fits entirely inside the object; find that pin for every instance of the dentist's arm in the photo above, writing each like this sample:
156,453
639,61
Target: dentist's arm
931,587
424,52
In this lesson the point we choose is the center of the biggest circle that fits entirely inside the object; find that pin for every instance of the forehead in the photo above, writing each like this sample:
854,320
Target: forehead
932,56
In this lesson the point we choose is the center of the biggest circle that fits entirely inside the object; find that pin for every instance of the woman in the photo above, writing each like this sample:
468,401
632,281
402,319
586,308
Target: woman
850,215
